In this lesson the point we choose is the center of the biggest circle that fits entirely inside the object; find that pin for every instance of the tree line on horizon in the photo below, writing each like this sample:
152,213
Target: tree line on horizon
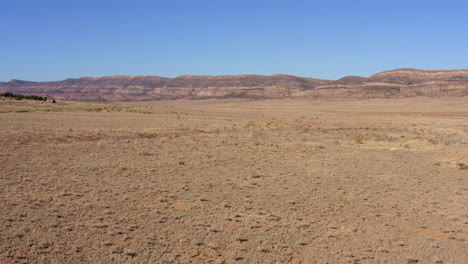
21,97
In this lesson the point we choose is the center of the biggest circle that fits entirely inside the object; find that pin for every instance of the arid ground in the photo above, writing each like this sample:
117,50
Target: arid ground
234,181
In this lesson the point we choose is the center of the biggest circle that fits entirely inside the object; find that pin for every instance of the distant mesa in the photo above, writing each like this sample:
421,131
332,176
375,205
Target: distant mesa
399,83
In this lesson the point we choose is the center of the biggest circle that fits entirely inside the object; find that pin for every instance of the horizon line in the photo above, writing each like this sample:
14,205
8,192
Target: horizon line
233,75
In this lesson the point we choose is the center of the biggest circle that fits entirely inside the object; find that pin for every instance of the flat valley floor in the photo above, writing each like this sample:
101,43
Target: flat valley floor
232,181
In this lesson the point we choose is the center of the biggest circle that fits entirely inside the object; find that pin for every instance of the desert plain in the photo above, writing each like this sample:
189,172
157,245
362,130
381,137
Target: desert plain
234,181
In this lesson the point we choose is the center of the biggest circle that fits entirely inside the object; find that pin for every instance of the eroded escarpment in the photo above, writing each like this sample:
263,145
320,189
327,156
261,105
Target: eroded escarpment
399,83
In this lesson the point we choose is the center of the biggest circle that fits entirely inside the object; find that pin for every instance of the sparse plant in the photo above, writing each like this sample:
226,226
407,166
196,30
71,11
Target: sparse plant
358,140
322,130
462,166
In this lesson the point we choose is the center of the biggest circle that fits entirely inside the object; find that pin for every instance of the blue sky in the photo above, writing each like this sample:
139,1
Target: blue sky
57,39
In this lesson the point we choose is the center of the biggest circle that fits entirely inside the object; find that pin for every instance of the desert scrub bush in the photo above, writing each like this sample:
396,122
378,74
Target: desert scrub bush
358,140
24,111
302,129
386,138
250,124
93,109
142,112
322,130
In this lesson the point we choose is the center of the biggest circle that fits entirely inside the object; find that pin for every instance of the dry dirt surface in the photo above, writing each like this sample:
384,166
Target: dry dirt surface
231,181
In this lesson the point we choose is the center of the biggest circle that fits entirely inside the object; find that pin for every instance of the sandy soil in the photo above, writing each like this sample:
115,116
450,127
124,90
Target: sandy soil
287,181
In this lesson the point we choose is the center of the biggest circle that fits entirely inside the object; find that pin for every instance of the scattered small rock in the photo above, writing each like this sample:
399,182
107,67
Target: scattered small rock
100,226
411,260
130,253
117,251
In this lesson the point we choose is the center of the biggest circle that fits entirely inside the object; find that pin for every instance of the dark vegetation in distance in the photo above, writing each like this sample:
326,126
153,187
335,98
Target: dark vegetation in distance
21,97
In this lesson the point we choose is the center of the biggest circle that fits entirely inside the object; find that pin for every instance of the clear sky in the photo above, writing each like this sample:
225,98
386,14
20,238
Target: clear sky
56,39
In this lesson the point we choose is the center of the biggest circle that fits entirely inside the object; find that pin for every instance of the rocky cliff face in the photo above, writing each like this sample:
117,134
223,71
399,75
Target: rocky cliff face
395,83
